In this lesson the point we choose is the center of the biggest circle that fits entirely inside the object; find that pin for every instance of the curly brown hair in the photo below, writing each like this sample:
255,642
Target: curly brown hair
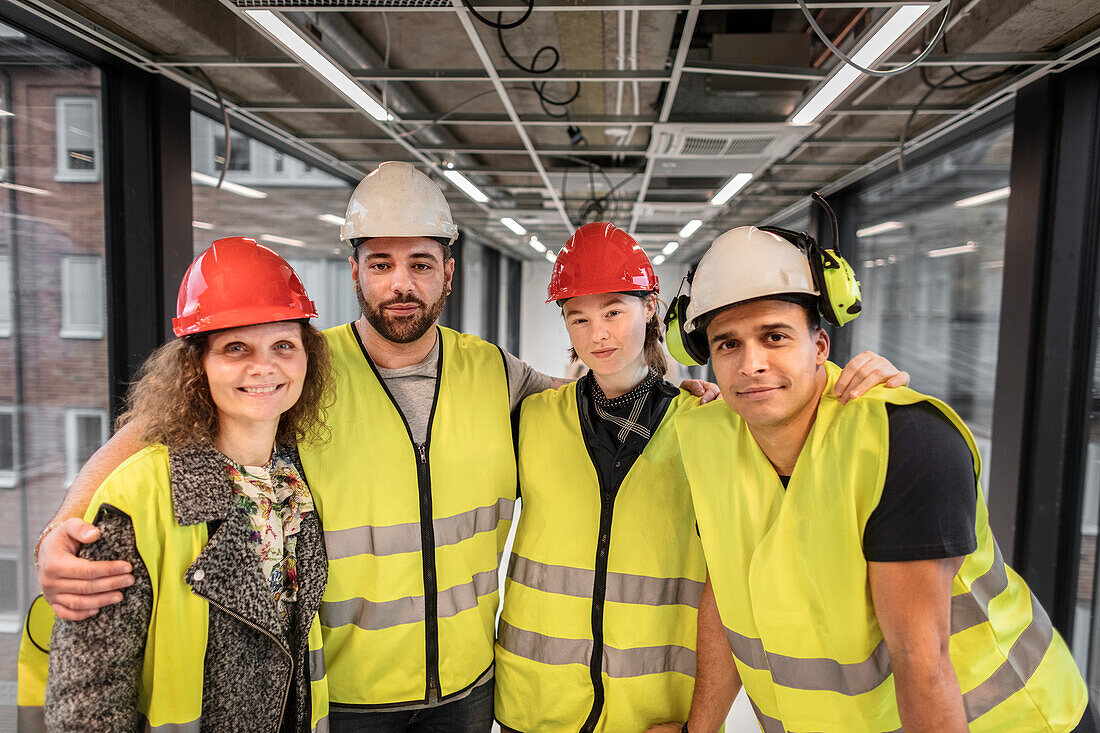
170,401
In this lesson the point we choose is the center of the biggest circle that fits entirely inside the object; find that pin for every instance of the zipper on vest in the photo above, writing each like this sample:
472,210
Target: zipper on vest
290,657
427,530
431,594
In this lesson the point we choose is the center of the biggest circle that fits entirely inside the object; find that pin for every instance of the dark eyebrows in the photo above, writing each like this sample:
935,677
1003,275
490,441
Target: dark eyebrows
764,328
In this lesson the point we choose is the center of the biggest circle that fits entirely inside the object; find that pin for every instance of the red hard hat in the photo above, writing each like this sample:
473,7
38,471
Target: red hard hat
600,258
237,282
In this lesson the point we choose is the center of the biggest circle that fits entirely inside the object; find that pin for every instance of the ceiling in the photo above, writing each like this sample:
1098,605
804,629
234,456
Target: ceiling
673,96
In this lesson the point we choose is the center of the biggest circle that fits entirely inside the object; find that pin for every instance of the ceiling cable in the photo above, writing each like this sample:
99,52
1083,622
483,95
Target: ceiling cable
873,72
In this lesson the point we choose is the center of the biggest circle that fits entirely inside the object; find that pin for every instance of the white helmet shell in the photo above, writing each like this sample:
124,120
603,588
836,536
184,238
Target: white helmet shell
397,200
743,264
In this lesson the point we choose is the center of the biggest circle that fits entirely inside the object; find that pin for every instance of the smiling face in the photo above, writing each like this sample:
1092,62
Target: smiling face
402,284
255,373
768,362
608,333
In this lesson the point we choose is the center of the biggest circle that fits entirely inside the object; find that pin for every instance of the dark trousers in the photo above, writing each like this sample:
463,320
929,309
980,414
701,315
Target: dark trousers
1088,722
471,714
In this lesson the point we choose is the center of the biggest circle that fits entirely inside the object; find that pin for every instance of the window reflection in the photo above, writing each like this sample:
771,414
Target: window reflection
280,201
53,326
931,258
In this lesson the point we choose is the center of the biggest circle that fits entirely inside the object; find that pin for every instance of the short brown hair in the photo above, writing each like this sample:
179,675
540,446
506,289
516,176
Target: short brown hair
654,336
170,401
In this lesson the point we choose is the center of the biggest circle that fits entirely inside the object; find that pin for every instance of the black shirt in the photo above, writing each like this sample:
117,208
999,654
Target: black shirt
929,497
612,458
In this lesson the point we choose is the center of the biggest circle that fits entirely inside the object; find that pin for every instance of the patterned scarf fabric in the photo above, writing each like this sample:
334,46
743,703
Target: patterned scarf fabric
274,498
635,399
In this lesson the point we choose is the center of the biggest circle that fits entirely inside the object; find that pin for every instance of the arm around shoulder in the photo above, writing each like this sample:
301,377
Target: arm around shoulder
95,664
73,586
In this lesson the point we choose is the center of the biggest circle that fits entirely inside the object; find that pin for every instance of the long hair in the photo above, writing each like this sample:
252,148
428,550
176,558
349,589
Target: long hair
170,400
654,337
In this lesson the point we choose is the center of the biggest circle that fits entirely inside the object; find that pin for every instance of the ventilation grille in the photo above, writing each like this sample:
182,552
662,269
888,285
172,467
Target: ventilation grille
731,141
307,4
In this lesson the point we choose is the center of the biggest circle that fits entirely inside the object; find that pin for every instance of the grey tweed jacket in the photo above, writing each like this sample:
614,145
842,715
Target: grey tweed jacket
256,673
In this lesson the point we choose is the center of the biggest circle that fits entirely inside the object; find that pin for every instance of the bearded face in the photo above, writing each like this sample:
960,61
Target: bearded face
401,284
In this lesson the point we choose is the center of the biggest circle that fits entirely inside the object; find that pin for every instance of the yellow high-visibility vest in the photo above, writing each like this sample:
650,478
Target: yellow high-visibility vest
790,580
170,687
621,578
401,519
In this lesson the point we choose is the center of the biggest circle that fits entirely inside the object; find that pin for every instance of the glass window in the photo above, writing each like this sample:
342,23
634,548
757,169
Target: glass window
277,201
1086,632
240,153
54,348
83,308
85,432
8,417
930,255
5,296
78,148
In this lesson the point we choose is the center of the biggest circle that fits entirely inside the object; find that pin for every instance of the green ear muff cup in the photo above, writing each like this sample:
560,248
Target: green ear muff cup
840,290
683,347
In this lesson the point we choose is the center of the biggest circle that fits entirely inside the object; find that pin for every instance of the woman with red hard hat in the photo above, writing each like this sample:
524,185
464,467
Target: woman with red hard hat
598,627
219,630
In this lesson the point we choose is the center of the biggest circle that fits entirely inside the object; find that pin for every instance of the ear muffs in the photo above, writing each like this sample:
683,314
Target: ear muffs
687,348
840,300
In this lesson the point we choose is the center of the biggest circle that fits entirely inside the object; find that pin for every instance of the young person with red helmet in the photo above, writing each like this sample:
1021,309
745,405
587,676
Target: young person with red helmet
219,630
599,621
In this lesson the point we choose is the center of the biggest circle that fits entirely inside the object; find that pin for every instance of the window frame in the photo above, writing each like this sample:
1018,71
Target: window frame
62,173
7,310
9,479
70,330
72,436
11,622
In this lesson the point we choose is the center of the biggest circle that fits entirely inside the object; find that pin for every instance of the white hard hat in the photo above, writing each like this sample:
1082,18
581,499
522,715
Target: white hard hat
743,264
397,200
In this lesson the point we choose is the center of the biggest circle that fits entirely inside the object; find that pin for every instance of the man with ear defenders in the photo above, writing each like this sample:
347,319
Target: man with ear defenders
853,581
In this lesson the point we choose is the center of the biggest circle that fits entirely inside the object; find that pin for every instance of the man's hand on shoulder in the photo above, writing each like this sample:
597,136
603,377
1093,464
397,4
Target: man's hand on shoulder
866,370
74,587
704,390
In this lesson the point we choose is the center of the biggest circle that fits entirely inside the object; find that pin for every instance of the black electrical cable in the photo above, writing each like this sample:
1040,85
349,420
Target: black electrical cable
225,122
540,86
498,25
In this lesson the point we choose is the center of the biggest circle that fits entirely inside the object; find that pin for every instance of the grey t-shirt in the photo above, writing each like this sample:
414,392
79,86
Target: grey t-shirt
413,388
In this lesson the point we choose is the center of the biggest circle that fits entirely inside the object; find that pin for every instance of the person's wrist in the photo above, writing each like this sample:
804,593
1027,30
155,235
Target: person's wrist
45,532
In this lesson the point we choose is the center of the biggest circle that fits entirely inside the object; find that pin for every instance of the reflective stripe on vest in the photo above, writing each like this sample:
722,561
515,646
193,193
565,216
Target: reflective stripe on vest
170,685
641,630
409,529
794,641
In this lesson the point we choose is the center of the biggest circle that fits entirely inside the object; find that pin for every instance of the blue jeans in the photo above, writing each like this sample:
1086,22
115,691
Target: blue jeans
471,714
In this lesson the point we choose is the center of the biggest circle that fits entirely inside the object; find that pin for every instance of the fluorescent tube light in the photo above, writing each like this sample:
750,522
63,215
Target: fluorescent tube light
948,251
248,193
670,248
984,198
282,32
276,239
536,244
659,260
886,226
466,185
513,225
331,219
550,256
690,228
24,189
732,186
5,113
869,53
202,224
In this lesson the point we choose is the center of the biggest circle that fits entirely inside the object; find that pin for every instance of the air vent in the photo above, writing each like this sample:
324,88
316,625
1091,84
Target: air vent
733,141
